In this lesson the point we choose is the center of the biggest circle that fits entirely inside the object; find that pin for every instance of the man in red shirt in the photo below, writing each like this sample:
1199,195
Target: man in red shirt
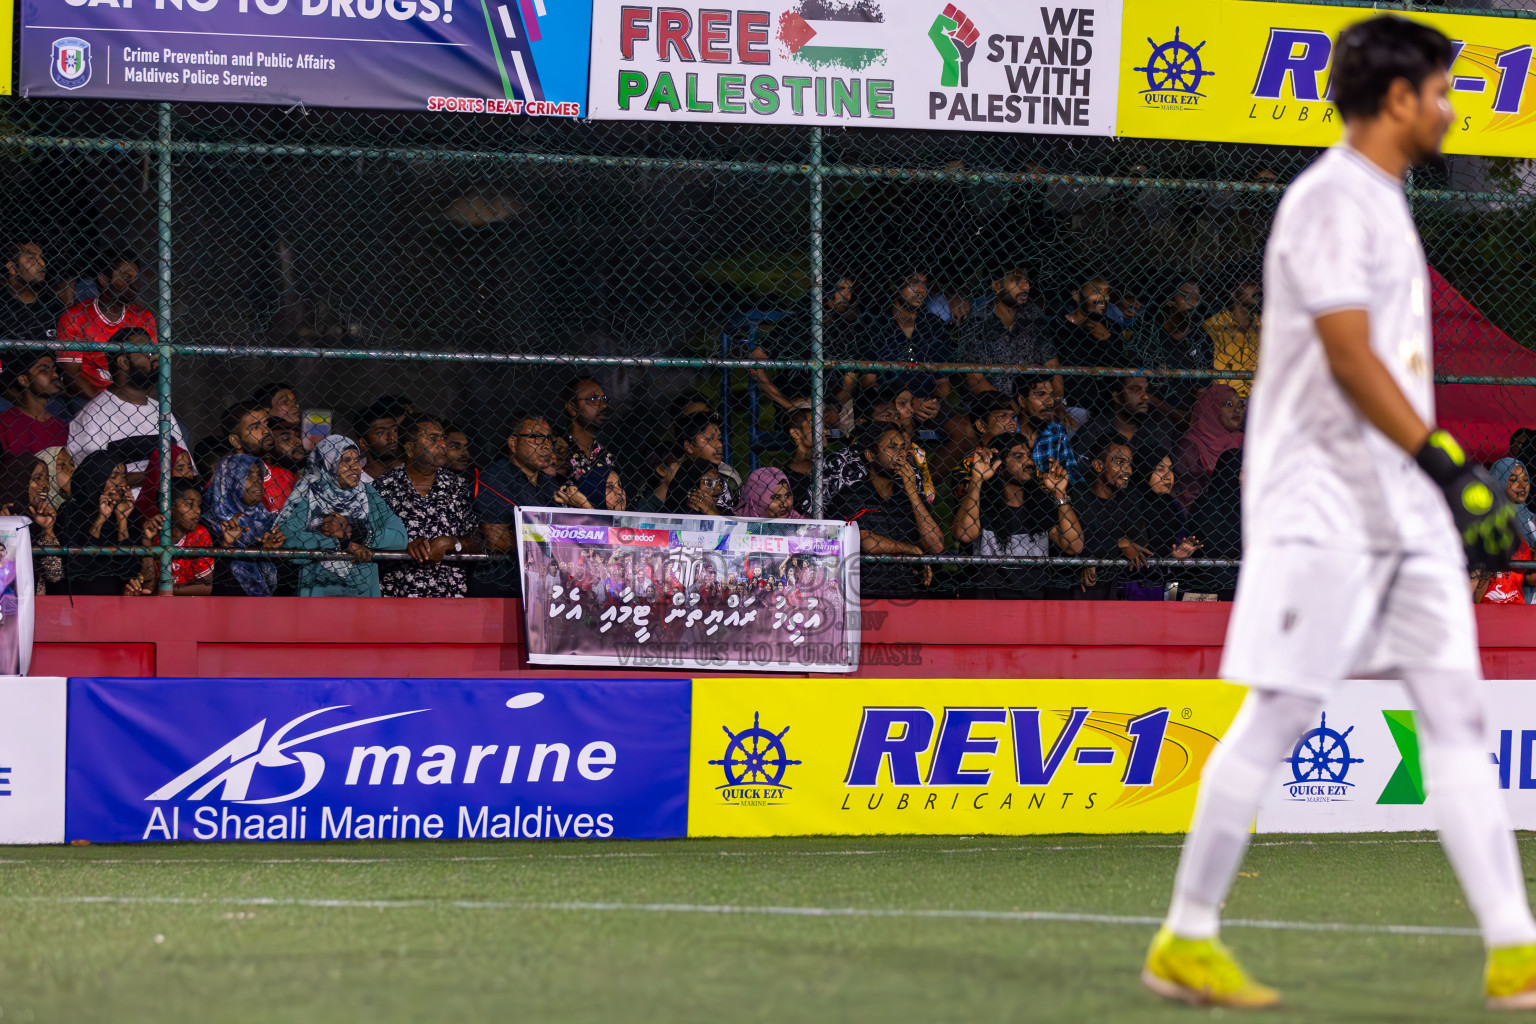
97,321
29,426
245,424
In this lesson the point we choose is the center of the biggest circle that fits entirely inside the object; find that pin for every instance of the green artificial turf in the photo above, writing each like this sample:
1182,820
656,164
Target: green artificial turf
376,932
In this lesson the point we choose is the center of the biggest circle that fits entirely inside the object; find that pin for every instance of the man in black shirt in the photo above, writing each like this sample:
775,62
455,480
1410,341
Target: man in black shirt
1103,510
908,333
892,514
1010,330
1172,338
845,331
1129,401
1085,336
28,310
1010,509
526,477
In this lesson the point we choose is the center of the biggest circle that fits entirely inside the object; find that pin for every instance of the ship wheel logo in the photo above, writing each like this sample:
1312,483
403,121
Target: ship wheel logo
755,757
1322,755
1174,67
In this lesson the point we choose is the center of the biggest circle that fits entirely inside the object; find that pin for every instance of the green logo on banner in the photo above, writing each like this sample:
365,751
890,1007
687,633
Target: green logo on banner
1406,786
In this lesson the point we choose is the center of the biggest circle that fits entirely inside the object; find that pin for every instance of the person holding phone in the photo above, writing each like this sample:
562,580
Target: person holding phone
892,513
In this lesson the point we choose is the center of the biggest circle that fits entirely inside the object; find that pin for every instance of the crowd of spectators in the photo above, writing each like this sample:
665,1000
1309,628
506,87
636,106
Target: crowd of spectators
1137,470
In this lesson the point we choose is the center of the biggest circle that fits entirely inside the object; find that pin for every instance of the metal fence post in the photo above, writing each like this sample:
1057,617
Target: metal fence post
163,318
818,384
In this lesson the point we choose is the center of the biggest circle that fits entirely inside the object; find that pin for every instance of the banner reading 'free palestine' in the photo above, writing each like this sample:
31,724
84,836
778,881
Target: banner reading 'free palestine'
983,65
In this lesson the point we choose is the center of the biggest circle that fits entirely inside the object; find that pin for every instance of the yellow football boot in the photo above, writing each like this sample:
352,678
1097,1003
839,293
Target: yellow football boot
1202,972
1510,980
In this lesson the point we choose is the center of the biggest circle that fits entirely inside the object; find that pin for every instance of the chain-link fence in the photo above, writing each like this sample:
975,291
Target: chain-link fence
656,295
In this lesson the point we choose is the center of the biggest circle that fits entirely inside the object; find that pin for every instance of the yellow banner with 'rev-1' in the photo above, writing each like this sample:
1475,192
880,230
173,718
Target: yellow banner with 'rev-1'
775,757
1240,71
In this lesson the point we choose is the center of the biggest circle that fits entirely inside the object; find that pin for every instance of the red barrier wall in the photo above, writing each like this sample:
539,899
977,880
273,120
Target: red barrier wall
204,636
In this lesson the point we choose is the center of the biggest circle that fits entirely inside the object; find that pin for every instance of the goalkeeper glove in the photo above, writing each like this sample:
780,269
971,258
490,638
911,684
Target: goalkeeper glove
1484,516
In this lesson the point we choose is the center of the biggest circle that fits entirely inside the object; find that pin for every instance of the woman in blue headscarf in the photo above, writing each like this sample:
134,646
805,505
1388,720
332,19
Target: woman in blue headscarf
235,513
331,507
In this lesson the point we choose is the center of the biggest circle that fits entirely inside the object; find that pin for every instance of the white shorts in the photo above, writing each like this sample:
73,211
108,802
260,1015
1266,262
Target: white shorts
1306,618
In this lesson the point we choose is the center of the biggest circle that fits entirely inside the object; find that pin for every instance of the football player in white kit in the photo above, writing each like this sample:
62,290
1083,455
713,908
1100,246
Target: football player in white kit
1359,522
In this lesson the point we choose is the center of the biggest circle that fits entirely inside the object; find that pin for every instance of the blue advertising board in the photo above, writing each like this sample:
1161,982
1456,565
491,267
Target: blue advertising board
322,759
475,56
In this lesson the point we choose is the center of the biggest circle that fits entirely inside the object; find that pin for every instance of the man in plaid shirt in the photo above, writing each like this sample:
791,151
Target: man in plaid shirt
1038,422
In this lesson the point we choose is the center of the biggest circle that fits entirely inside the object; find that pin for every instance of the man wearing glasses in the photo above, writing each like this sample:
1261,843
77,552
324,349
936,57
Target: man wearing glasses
587,406
527,477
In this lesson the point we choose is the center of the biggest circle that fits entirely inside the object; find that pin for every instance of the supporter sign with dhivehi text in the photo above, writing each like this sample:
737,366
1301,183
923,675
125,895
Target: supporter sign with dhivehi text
322,759
475,56
685,591
987,65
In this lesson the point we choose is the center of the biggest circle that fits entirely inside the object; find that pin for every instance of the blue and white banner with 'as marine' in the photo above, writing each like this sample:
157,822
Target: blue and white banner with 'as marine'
319,759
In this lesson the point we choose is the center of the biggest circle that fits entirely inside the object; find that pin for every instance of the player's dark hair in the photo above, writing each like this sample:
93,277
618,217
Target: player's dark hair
1008,441
15,245
888,392
1370,55
267,392
410,425
521,418
988,402
21,361
1110,440
181,485
694,424
1114,388
126,336
386,408
869,439
572,389
237,412
111,261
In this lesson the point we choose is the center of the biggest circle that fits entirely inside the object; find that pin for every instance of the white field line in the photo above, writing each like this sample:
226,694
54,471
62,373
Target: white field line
733,910
233,861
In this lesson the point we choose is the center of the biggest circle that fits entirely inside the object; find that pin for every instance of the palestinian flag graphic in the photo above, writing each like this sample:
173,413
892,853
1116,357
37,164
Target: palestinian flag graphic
847,34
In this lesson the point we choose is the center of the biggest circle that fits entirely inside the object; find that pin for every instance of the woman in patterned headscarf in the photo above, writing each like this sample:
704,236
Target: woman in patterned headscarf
235,512
331,507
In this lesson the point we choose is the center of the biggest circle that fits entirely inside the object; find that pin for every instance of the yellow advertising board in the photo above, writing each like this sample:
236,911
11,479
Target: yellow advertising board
775,757
7,44
1241,71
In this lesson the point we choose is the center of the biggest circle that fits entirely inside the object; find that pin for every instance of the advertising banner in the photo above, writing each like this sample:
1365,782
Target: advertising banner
982,65
17,595
1358,769
7,21
32,736
951,756
318,759
616,588
1241,71
479,56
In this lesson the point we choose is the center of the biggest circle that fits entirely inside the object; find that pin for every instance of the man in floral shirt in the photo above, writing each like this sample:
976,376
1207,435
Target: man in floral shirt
438,513
587,406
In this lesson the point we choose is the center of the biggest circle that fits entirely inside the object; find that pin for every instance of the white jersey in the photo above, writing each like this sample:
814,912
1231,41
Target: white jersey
1314,470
